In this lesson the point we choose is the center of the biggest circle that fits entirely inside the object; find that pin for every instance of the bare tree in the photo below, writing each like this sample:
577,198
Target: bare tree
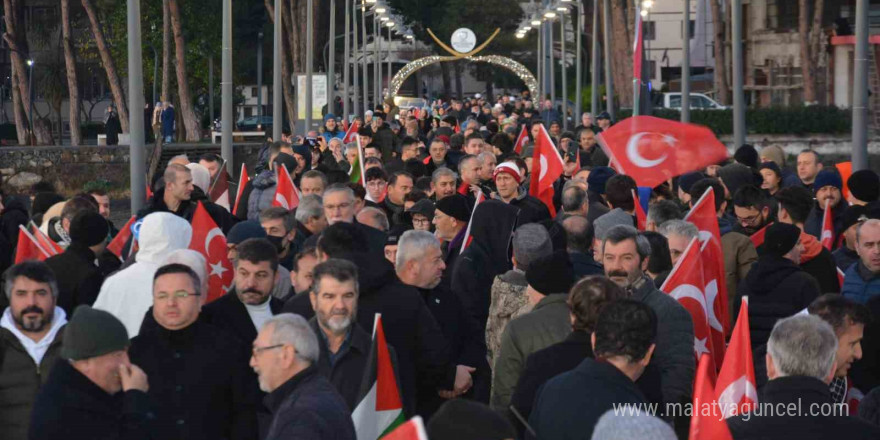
286,88
187,113
622,15
109,65
16,40
72,83
810,36
722,86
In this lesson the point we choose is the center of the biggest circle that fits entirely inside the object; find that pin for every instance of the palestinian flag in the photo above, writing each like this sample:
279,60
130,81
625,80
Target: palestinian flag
414,429
356,174
380,410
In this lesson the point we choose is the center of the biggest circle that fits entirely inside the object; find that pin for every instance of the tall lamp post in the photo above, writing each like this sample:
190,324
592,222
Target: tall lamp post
860,90
564,93
259,79
594,64
331,65
30,64
137,162
310,58
277,85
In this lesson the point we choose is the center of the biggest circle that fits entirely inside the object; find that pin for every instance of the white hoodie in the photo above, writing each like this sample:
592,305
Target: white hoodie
128,294
35,349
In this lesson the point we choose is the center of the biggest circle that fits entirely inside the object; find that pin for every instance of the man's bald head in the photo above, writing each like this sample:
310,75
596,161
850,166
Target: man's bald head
579,233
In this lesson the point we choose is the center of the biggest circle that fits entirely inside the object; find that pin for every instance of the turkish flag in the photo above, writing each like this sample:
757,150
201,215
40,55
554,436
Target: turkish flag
414,429
149,192
653,150
736,389
457,128
521,140
351,132
758,237
115,246
685,284
703,216
827,227
286,193
220,190
641,217
243,178
547,166
208,240
28,247
706,421
840,276
467,233
45,242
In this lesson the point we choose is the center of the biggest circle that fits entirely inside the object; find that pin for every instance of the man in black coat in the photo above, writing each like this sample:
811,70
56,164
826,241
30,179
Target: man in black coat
800,363
776,286
422,351
304,404
579,237
200,384
339,206
344,345
420,264
795,203
383,136
569,405
244,309
93,391
508,180
79,279
181,197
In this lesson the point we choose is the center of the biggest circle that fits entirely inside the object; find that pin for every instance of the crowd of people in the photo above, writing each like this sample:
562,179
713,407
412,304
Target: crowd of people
503,320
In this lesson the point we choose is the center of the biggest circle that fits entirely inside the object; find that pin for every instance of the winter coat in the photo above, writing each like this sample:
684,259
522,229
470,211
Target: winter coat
543,365
128,294
231,315
422,351
386,140
844,257
71,406
865,373
21,377
261,194
347,372
674,352
508,301
584,265
569,405
777,288
813,224
112,127
532,210
15,213
200,384
79,280
308,407
547,324
818,262
488,255
168,122
466,343
739,255
860,284
187,209
811,397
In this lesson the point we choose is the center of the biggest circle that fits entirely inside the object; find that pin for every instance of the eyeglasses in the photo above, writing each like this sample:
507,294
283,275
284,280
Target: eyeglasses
421,221
257,350
180,294
750,219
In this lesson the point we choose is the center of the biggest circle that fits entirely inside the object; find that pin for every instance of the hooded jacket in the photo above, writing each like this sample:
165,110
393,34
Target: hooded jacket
261,194
129,293
488,255
422,351
777,288
818,262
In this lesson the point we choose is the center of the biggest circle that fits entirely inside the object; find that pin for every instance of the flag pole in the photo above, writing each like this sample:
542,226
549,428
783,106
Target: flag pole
637,61
216,178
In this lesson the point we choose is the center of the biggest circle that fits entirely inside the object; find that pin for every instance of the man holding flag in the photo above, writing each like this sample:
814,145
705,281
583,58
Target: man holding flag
303,403
827,189
507,181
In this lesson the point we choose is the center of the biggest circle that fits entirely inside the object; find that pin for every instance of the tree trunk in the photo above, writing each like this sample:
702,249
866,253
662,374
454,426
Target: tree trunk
722,87
17,41
166,51
458,72
447,81
622,46
291,64
72,83
109,65
43,130
190,121
297,34
285,64
804,40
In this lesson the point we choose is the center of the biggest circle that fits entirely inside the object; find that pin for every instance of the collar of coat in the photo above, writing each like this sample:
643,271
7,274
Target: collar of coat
278,395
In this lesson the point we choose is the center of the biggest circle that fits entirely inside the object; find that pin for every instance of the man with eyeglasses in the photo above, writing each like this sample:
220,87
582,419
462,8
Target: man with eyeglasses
304,404
339,206
250,304
200,385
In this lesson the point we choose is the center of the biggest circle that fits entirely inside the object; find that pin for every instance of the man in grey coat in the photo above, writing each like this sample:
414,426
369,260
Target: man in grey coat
549,279
624,256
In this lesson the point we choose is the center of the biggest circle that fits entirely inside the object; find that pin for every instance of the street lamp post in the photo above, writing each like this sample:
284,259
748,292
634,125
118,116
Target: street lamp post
310,58
594,64
331,65
346,56
860,90
226,88
364,59
377,49
277,80
30,64
609,81
739,105
137,162
578,74
562,69
259,79
390,67
686,64
355,64
552,72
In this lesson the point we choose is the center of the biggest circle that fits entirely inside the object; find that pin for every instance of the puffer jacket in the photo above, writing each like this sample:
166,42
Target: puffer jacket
129,293
261,195
859,284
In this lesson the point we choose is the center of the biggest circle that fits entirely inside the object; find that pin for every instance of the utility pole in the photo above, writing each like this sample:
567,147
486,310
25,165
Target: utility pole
860,90
609,81
346,56
310,58
137,155
226,88
686,63
578,75
331,63
739,104
594,64
277,80
259,78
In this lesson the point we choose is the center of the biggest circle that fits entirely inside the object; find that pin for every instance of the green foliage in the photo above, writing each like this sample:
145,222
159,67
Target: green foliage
773,120
100,184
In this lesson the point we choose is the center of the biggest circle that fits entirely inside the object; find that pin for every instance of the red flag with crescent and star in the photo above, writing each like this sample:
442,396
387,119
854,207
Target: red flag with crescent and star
243,179
208,240
351,132
547,166
736,387
286,192
641,217
654,150
522,140
707,422
685,284
704,216
827,227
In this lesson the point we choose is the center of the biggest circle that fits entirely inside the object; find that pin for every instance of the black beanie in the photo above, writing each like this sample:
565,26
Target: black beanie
461,419
455,206
88,228
551,274
780,238
864,185
287,161
43,201
746,155
92,333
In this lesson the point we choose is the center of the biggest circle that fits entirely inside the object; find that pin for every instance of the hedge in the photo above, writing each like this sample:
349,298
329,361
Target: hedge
89,130
773,120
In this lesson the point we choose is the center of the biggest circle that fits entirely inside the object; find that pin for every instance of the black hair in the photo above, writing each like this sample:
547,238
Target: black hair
257,250
702,185
33,270
342,238
307,252
660,261
839,311
375,173
395,175
579,233
588,297
618,192
210,157
750,196
626,328
797,202
173,268
336,268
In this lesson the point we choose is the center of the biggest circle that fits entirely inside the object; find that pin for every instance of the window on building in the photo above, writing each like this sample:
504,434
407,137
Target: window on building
782,15
253,92
692,26
650,30
652,69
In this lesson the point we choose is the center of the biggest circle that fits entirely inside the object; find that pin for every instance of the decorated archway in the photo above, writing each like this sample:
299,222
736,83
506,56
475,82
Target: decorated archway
468,53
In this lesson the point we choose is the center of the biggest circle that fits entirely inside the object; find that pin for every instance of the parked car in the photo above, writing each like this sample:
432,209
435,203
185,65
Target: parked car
257,123
698,101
